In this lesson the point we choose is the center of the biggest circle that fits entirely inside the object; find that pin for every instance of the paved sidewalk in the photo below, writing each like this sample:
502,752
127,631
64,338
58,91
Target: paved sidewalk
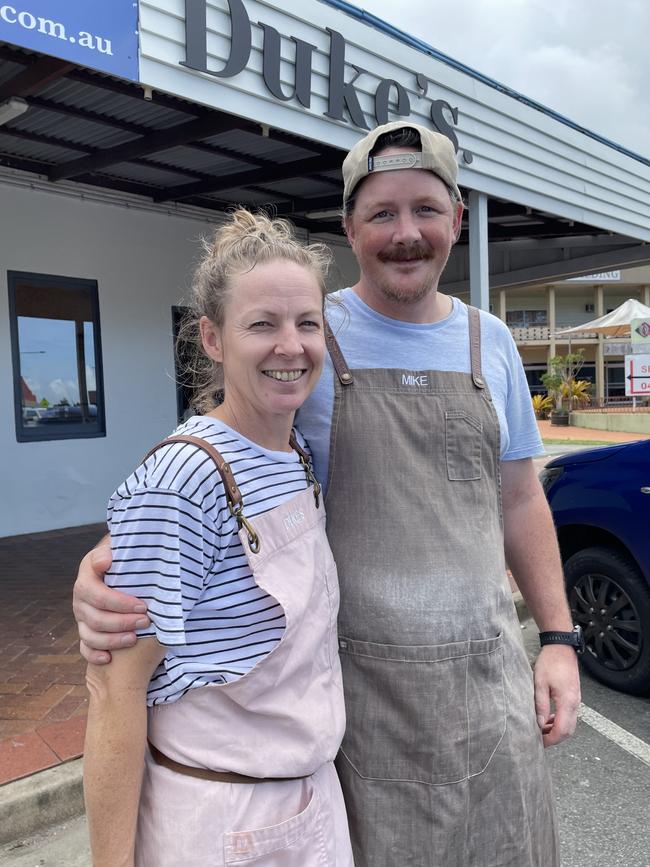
549,431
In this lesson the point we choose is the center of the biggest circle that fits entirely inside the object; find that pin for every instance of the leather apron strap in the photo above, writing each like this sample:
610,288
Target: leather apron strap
213,776
233,494
344,373
338,361
475,346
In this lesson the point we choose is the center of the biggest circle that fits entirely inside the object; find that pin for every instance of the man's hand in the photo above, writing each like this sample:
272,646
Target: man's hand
557,681
106,618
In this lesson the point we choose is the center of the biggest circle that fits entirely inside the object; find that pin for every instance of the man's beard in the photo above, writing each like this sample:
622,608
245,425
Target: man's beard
408,296
413,294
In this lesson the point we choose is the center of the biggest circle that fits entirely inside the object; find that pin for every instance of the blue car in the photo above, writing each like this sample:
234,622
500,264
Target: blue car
600,501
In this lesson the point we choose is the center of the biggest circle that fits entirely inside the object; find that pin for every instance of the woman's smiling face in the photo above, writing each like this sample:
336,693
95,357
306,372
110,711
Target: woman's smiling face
271,343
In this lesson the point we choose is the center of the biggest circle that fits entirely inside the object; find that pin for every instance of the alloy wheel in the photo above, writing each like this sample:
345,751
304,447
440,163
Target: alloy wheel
609,620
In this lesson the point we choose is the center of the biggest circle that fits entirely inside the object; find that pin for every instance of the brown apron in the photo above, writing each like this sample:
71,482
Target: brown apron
283,719
442,762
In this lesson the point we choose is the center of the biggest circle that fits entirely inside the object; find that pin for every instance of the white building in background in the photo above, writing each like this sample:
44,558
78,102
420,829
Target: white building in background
536,313
127,129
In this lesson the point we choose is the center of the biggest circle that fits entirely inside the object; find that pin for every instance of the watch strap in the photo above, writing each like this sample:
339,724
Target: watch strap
572,639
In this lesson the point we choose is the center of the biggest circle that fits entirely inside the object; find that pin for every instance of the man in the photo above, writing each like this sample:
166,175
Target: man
422,430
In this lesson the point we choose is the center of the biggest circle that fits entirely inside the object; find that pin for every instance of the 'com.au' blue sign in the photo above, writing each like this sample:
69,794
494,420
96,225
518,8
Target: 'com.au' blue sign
101,34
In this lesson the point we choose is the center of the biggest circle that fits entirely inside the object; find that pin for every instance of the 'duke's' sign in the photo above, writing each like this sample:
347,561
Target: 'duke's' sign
342,98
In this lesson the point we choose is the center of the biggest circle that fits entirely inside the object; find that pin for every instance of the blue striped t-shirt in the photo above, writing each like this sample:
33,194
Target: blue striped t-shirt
175,546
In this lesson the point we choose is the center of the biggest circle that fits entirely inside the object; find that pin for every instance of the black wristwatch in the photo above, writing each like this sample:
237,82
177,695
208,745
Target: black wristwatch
574,639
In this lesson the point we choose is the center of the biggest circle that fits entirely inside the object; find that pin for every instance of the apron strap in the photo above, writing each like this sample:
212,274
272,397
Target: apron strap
475,346
233,494
306,465
345,376
214,776
338,361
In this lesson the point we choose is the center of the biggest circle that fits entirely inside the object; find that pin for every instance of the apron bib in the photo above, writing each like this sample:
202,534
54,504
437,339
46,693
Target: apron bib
442,762
283,719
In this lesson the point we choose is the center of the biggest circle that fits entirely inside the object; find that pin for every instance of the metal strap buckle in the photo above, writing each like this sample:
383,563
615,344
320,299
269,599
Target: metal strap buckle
311,478
238,514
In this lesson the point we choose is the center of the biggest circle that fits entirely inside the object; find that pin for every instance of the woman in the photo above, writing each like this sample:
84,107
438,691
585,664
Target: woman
236,684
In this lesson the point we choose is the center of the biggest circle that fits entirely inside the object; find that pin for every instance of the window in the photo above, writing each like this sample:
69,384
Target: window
181,362
58,389
534,373
588,372
526,318
614,380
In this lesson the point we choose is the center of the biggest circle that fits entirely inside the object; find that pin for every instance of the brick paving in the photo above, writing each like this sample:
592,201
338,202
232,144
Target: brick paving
43,699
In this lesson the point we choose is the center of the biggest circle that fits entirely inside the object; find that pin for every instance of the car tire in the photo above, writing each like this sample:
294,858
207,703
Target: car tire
608,596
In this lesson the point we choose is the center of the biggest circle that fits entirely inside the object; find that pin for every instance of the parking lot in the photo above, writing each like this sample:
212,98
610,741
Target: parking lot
602,778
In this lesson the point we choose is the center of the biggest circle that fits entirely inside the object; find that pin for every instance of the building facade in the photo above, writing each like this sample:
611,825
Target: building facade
536,314
127,129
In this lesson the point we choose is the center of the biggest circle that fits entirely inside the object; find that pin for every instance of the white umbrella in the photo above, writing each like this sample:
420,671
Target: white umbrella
615,324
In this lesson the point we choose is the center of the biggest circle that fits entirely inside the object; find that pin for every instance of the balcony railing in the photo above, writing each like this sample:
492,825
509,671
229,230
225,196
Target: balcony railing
542,334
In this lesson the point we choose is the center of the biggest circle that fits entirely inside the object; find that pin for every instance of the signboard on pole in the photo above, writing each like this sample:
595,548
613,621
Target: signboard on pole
617,347
640,332
637,375
101,34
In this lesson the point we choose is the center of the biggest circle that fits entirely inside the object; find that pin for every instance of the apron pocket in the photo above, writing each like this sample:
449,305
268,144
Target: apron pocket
296,842
463,444
431,714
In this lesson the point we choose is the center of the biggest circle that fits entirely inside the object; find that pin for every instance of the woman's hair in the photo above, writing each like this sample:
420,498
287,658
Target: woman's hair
243,241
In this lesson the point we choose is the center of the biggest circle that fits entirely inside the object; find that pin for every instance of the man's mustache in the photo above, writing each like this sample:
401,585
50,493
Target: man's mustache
405,254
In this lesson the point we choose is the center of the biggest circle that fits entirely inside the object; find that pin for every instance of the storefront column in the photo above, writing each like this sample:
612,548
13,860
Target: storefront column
479,270
552,325
599,302
502,305
645,297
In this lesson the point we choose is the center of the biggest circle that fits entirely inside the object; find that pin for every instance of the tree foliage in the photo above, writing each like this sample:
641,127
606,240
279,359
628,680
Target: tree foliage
561,379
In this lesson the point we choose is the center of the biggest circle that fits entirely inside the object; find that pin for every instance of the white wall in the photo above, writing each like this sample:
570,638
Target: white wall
142,261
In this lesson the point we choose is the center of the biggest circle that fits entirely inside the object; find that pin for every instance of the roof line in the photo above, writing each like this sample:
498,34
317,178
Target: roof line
413,42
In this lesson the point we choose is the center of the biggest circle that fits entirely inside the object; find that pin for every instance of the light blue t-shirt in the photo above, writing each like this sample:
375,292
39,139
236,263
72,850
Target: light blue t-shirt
368,339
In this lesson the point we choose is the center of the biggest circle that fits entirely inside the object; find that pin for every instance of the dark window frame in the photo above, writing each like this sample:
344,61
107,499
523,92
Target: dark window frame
527,314
42,433
183,391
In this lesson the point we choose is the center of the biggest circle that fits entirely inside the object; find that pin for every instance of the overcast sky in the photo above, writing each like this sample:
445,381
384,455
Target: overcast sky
587,59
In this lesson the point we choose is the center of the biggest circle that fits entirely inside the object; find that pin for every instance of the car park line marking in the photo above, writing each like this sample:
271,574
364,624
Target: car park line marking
620,736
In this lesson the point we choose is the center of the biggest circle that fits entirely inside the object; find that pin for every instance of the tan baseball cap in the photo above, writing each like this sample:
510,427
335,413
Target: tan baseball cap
437,156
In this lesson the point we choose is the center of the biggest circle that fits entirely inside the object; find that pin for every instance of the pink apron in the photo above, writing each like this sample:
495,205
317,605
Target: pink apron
285,718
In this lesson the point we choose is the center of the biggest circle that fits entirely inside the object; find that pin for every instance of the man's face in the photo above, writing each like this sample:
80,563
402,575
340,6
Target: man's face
401,230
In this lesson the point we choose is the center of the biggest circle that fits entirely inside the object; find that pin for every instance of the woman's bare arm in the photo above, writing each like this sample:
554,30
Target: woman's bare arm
114,750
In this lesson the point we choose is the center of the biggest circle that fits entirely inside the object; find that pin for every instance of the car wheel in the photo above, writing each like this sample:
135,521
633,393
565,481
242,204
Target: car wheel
610,599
